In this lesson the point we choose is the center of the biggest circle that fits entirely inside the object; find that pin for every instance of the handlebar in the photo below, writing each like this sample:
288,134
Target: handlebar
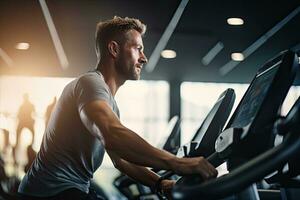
242,176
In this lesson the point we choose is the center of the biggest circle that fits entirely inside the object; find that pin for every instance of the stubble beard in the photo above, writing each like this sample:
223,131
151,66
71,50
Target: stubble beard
135,75
127,74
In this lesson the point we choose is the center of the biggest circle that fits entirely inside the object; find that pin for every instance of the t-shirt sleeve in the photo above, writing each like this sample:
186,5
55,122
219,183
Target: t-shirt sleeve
89,88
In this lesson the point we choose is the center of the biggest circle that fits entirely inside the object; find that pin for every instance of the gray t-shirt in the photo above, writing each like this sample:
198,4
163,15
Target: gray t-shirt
69,153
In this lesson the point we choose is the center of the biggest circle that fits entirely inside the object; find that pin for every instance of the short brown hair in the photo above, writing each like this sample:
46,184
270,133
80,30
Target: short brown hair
108,30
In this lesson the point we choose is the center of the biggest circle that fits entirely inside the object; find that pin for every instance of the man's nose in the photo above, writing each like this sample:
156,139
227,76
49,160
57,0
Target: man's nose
143,59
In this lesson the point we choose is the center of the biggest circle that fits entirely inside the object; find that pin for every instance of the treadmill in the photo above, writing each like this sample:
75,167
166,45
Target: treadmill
246,144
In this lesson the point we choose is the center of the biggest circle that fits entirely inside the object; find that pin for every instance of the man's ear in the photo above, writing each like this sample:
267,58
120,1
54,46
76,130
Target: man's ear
113,48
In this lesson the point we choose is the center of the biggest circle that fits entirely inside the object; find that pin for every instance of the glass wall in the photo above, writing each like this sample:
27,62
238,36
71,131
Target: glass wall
198,98
144,108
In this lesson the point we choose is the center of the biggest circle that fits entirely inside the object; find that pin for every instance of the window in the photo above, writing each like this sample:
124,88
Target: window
196,101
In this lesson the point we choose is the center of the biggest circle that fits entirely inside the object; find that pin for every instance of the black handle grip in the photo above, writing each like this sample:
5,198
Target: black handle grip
215,159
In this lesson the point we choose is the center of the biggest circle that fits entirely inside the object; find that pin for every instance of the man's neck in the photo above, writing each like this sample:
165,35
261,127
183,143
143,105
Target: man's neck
111,77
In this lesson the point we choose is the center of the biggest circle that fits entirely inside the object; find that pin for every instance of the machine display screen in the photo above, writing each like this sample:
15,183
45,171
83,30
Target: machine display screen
254,97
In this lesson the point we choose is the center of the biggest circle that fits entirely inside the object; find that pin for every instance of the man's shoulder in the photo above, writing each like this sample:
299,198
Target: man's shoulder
90,81
91,76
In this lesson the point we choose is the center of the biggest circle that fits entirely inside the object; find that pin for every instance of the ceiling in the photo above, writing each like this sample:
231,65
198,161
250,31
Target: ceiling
201,26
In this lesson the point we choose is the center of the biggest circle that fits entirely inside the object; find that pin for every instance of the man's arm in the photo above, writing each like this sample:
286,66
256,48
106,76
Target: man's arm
101,121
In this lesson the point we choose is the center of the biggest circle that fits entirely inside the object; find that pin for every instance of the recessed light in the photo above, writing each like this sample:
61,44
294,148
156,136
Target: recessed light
168,53
22,46
235,21
237,56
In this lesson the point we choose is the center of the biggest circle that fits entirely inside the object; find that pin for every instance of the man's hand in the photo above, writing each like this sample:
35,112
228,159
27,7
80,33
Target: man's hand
166,187
197,165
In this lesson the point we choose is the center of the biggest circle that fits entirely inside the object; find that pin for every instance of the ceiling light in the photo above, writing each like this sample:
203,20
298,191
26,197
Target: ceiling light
22,46
168,54
235,21
237,56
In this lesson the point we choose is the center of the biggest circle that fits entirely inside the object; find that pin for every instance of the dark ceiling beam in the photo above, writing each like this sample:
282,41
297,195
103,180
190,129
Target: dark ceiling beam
212,53
259,42
163,41
54,35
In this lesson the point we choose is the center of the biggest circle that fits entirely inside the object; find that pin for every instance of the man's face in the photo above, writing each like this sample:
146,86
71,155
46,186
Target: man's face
131,57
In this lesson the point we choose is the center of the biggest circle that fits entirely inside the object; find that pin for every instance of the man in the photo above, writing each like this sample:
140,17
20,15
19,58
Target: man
85,123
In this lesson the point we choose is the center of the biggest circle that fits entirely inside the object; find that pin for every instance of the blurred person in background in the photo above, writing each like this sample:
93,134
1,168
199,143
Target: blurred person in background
25,120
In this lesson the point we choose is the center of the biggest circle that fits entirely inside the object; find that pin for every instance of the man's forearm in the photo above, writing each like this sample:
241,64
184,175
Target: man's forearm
131,147
138,173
